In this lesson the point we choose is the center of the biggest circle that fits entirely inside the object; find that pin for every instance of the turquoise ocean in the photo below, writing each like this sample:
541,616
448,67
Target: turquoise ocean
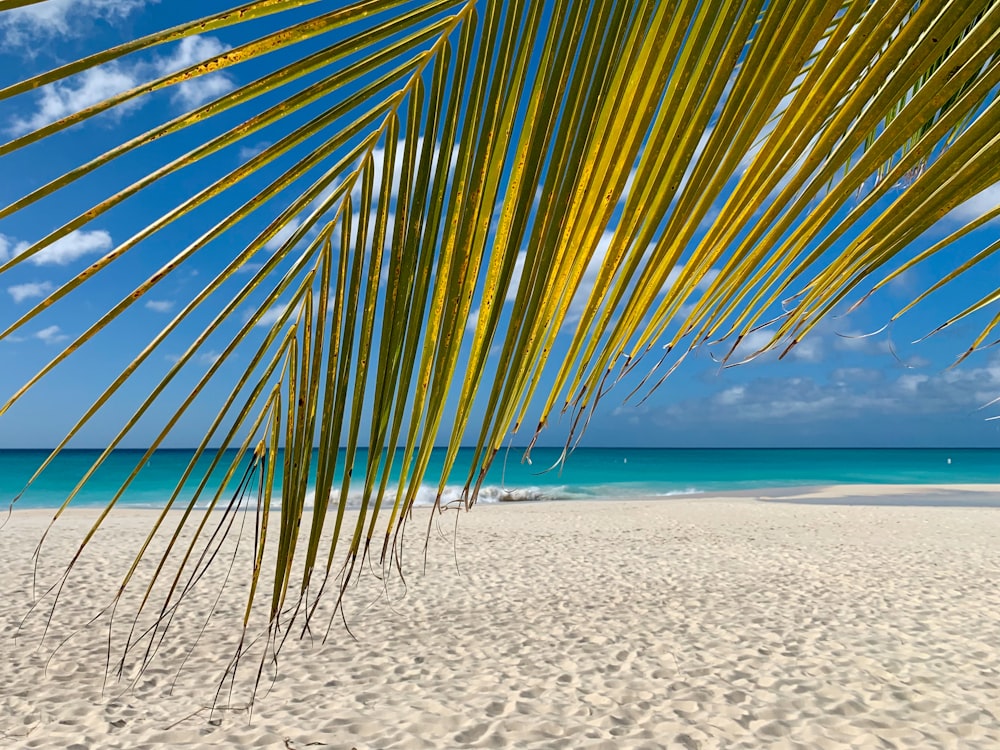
588,473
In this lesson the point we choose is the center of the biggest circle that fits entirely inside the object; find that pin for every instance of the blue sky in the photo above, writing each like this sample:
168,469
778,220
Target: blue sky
836,388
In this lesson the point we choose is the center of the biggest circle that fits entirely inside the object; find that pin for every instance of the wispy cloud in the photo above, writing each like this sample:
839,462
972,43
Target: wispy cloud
845,394
810,349
160,305
21,292
51,335
63,98
271,316
248,152
274,313
207,358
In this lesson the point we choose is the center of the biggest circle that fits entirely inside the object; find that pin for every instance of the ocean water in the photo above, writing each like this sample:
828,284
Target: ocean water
588,473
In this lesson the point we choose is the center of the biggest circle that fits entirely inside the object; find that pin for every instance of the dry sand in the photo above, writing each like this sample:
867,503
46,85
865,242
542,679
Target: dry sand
688,623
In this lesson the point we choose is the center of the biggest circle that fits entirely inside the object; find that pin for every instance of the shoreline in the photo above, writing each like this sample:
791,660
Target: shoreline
691,622
974,495
958,495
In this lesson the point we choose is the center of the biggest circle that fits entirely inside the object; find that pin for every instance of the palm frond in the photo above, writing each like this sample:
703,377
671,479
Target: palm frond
454,191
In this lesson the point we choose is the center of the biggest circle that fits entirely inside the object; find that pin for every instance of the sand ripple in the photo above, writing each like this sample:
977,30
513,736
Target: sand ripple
678,623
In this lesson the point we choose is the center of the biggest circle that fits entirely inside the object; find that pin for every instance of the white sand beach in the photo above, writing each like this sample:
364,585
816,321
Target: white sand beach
689,623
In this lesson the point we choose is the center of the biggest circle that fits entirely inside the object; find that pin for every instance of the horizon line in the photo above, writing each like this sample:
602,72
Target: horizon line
585,447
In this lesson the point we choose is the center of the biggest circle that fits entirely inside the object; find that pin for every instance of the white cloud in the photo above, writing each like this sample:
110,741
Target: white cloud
579,302
731,395
910,383
271,316
855,341
847,394
63,98
591,273
473,321
978,205
9,247
337,236
758,345
51,335
378,168
191,51
65,250
160,305
206,358
197,91
283,234
750,345
587,281
274,313
248,152
703,283
844,375
21,292
809,349
761,400
515,278
61,18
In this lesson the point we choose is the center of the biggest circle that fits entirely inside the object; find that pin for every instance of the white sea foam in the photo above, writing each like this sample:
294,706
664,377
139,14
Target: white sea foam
672,493
453,495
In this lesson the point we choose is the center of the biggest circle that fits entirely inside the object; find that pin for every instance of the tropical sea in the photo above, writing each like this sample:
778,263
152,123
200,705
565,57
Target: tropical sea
588,473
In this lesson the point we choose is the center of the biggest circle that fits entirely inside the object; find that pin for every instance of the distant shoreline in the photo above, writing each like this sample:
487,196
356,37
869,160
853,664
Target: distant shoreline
969,495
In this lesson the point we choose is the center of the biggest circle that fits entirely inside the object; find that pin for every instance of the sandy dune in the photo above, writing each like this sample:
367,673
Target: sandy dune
688,623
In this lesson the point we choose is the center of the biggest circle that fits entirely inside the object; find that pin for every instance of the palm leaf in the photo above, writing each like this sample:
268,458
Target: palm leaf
703,162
